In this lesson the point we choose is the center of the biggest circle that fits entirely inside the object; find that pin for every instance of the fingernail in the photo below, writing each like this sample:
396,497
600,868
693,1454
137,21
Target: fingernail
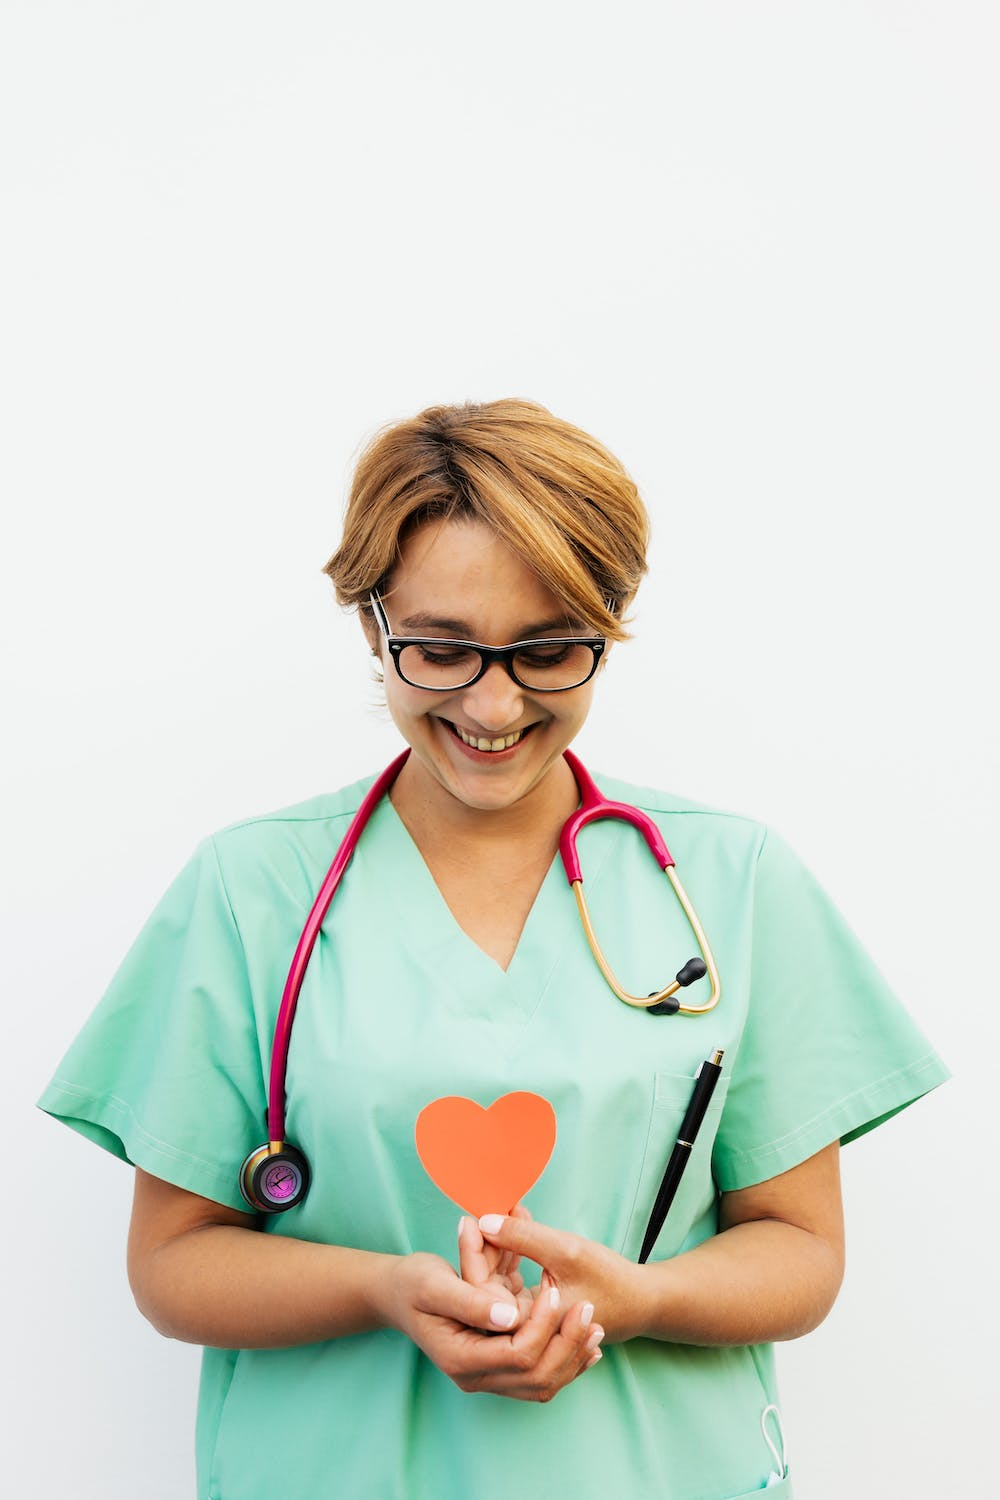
503,1315
554,1298
593,1359
595,1338
490,1223
461,1226
587,1313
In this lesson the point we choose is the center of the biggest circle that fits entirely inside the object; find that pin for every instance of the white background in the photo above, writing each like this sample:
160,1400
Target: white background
753,247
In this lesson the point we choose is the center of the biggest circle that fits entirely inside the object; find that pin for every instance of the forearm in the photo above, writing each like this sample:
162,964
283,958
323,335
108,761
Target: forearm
237,1288
771,1273
755,1283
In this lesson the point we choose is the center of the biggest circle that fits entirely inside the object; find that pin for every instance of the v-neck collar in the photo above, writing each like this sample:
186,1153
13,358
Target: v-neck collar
423,921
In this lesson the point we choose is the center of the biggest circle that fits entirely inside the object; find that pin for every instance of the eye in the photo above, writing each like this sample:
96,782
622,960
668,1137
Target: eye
445,655
547,654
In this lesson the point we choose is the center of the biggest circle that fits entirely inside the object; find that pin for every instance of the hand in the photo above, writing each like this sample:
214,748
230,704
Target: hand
444,1316
580,1269
482,1264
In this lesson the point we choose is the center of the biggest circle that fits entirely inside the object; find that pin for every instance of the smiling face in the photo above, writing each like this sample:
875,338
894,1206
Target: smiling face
456,579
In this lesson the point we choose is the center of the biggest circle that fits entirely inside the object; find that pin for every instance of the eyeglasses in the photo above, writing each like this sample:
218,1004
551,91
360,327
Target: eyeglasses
546,666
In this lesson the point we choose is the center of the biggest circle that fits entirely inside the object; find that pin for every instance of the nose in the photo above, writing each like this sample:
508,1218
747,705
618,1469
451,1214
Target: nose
496,701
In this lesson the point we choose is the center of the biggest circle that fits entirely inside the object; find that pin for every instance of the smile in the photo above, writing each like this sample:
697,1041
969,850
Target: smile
491,746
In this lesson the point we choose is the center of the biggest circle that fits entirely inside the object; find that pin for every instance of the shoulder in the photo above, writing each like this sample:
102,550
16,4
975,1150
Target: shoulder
296,839
699,818
326,807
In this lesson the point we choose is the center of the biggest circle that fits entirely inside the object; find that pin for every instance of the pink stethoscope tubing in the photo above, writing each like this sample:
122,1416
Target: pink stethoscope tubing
592,807
304,947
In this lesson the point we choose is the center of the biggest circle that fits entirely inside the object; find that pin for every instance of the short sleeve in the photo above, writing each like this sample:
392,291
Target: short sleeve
827,1051
167,1072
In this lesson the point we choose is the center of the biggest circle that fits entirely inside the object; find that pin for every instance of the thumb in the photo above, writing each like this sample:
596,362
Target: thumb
494,1311
547,1247
443,1294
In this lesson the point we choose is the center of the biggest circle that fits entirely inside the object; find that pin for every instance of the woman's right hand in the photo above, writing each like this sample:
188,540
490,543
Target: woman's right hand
205,1273
460,1327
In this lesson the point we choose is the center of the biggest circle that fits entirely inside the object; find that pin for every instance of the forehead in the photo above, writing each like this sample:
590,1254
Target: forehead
460,576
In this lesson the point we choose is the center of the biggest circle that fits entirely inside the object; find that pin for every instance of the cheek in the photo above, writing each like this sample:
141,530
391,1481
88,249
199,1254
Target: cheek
406,705
577,711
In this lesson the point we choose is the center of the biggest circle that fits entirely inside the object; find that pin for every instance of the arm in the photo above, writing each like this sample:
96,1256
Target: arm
205,1273
772,1272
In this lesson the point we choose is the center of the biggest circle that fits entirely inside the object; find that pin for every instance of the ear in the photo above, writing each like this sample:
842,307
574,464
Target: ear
370,629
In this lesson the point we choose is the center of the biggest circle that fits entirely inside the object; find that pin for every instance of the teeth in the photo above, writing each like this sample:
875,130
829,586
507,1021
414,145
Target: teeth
503,743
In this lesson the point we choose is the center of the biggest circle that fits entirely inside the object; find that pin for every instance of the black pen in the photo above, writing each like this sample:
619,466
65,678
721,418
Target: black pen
704,1087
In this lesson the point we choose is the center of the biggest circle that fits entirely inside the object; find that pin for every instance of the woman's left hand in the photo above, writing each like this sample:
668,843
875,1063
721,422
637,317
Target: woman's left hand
581,1269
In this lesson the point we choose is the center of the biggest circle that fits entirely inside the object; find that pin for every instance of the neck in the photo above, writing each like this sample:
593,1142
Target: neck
433,815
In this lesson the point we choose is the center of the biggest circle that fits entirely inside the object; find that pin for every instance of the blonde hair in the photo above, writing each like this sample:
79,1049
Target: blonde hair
554,494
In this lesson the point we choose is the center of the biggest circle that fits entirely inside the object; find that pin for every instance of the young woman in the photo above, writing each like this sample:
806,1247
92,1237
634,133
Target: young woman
354,1345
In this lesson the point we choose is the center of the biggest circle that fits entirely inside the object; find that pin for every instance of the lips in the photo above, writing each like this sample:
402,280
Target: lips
489,746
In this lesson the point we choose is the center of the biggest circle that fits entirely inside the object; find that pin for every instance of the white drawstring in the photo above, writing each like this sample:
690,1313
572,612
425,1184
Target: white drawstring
781,1468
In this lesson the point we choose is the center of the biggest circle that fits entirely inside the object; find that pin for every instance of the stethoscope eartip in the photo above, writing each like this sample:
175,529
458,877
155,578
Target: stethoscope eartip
695,968
668,1007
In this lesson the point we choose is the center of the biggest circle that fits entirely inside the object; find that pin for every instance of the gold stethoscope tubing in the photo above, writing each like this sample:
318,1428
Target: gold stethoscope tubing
645,1002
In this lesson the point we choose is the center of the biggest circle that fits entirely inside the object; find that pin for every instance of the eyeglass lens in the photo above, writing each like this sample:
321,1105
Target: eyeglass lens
546,665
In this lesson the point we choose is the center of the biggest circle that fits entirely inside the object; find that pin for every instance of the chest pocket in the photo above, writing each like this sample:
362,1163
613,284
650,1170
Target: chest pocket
693,1215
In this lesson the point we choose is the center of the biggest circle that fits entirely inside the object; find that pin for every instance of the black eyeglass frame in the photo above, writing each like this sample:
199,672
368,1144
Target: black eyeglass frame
487,654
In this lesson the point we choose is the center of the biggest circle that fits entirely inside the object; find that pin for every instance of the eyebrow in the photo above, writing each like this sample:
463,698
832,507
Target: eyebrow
462,630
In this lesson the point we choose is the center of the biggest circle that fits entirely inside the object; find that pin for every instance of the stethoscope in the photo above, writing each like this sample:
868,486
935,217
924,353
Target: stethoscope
275,1176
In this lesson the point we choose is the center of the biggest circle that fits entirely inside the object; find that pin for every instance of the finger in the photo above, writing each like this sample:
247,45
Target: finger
551,1248
572,1349
578,1326
480,1263
540,1373
477,1261
511,1259
482,1361
491,1307
529,1342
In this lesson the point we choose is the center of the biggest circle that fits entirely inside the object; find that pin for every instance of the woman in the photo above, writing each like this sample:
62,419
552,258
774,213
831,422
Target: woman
343,1349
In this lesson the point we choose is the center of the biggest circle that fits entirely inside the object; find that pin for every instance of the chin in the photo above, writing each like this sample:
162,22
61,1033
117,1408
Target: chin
489,790
484,796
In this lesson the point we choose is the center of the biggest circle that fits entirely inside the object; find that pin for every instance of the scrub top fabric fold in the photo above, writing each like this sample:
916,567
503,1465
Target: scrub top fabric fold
400,1007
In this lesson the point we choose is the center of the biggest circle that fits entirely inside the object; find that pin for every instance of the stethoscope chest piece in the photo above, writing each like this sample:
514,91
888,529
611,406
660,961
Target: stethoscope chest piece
274,1177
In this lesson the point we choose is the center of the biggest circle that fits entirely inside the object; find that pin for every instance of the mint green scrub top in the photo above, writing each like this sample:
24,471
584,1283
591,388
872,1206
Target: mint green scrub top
400,1007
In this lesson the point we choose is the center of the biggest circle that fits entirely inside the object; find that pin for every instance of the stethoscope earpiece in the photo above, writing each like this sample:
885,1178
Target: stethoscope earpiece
693,970
274,1177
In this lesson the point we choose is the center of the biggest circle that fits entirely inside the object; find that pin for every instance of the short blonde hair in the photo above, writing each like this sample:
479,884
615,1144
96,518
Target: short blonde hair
554,494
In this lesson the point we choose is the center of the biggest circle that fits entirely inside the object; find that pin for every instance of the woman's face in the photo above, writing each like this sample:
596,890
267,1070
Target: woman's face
458,580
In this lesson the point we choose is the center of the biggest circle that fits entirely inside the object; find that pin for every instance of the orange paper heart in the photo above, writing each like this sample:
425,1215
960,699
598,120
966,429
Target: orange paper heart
486,1159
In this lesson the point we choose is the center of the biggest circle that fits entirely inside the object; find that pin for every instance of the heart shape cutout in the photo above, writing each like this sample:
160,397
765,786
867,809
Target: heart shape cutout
485,1160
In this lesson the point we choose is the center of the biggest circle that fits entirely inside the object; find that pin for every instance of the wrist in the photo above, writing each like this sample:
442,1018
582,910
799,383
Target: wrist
651,1292
384,1299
